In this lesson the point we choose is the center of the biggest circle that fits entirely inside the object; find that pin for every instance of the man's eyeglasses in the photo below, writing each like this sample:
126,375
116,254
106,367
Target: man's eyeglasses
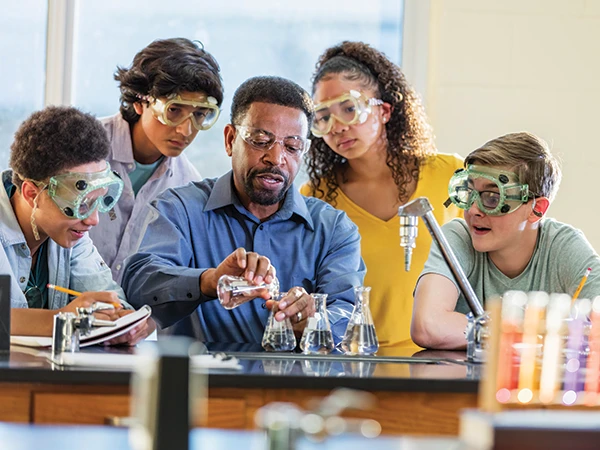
263,140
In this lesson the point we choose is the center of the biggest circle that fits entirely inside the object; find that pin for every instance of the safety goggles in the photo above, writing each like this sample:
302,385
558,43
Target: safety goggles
175,110
79,194
348,109
263,140
503,193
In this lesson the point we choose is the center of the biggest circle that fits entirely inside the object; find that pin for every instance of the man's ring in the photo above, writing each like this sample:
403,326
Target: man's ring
299,316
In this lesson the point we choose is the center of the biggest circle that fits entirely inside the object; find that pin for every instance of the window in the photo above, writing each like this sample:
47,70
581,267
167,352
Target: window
248,38
23,56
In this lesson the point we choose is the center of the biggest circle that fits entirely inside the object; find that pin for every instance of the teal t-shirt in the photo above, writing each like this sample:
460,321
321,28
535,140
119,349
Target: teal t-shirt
561,256
142,173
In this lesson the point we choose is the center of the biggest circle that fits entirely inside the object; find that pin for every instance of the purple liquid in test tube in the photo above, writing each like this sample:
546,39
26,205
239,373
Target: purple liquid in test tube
575,361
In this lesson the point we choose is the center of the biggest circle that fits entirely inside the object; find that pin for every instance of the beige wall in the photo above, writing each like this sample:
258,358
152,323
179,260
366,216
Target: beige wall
497,66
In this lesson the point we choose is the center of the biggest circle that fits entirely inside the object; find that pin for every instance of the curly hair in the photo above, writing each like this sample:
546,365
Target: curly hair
273,90
409,136
165,67
53,140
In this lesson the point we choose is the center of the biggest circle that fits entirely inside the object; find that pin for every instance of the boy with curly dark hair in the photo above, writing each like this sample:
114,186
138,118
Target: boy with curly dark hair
171,91
49,201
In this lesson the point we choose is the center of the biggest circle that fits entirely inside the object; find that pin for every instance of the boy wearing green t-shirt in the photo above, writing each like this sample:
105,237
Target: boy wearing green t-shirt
505,242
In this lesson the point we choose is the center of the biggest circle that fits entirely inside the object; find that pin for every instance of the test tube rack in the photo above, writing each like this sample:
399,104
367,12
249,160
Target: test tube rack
543,352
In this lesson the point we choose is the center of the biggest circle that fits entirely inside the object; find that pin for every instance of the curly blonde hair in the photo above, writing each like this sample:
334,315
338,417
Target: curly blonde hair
409,136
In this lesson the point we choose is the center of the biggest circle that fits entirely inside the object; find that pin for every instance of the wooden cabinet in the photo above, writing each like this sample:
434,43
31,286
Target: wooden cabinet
420,413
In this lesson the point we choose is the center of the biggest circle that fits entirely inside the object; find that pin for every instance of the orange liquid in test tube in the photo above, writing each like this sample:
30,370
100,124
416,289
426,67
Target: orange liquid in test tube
512,318
527,372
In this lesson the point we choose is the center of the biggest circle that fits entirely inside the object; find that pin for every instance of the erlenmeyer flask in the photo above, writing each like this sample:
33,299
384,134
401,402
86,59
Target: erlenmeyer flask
278,336
360,337
233,291
317,337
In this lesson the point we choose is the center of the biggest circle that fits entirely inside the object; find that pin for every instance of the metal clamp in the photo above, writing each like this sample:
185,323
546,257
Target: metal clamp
68,328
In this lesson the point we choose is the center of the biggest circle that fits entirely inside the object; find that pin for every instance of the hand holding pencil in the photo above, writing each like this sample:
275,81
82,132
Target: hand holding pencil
87,299
117,304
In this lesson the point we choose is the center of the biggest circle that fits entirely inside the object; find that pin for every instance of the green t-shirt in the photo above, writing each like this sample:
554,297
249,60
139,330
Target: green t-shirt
561,256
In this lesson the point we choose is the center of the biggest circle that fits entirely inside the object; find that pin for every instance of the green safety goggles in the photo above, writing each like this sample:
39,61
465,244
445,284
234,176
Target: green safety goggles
502,193
78,195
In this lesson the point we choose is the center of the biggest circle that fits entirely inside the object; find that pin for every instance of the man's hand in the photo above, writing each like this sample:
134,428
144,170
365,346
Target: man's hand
296,304
253,267
140,332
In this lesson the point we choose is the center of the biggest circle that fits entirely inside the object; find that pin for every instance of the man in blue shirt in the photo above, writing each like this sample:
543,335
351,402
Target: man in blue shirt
247,223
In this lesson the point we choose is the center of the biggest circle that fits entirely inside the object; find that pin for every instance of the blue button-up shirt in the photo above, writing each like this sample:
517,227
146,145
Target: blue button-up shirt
117,239
80,268
195,227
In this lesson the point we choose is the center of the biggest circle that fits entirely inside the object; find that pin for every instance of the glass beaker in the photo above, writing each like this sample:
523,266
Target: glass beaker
317,338
233,291
278,336
360,337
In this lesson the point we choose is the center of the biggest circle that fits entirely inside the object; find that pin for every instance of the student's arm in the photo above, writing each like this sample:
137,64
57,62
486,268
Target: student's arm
39,322
435,324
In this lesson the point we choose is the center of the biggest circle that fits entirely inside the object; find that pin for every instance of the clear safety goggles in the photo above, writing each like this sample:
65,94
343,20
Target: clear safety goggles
260,139
502,193
175,110
79,194
348,109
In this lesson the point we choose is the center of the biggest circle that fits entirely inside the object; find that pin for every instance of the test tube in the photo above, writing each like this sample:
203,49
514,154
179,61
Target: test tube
558,310
592,374
575,359
536,305
513,303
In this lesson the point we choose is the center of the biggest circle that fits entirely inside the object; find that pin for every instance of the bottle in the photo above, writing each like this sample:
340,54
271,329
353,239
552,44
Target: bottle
317,338
233,291
278,336
360,337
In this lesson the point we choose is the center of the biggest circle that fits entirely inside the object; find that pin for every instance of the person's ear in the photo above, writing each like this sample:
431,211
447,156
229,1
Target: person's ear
386,112
139,108
539,208
229,135
29,191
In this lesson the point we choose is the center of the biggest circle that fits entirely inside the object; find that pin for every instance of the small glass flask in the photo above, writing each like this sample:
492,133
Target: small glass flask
278,336
233,291
360,337
317,338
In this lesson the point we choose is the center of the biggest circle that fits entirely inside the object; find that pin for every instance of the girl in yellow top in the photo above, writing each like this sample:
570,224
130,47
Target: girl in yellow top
372,151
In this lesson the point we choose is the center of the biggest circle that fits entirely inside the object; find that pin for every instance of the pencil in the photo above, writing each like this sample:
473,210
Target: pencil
62,289
581,283
74,293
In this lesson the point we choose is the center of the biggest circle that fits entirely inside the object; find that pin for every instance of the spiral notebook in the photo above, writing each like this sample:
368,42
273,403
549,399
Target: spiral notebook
97,336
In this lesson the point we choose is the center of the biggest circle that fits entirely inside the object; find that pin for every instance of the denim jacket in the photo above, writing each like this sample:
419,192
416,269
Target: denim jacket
80,268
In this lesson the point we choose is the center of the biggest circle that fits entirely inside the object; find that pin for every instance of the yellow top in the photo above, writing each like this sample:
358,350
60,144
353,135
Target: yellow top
391,287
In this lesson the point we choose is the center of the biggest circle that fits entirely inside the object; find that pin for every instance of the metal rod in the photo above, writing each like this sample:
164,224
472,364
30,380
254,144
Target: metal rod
420,207
436,232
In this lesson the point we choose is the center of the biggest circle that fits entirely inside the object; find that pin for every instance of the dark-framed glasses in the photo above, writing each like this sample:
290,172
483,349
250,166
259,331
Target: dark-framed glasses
264,140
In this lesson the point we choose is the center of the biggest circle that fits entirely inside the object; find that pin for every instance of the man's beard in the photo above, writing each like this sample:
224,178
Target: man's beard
262,196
